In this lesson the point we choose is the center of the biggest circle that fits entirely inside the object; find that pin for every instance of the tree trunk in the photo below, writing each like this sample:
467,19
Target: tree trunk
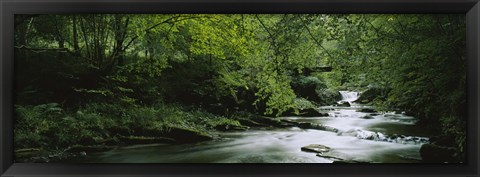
75,33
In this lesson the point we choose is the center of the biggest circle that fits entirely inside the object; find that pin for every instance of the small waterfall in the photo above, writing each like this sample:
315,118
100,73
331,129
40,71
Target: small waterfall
348,96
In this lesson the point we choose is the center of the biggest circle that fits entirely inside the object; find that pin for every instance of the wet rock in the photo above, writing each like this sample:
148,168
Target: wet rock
315,148
367,110
390,115
329,157
305,125
344,104
324,128
437,154
367,117
311,112
394,136
374,114
364,134
146,140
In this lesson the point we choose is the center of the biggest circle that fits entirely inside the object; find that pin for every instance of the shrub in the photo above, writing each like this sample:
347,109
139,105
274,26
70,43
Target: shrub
32,122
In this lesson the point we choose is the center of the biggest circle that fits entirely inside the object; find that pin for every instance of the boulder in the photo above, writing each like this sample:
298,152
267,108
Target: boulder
437,154
367,110
311,112
369,95
329,157
344,104
391,115
308,112
324,128
367,117
305,125
315,148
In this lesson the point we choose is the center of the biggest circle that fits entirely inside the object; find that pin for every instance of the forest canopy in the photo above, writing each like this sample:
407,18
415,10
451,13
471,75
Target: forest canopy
266,64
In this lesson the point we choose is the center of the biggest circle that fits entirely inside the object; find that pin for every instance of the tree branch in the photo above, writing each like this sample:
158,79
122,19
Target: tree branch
315,39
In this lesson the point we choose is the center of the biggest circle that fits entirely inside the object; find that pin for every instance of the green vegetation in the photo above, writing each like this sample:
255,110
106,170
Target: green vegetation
87,79
50,126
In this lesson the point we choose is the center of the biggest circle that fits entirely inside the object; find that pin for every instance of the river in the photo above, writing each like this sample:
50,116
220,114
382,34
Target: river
378,138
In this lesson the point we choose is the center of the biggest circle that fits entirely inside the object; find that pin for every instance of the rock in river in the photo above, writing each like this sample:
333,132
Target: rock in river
367,117
308,112
367,110
315,148
344,104
311,112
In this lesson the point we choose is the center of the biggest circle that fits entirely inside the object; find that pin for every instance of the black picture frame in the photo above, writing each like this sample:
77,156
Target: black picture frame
471,8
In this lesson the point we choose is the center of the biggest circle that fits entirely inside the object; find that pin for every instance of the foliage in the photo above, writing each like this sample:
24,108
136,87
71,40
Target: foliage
49,126
127,70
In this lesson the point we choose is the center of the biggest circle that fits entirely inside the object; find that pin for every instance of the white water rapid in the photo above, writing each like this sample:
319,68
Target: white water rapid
349,96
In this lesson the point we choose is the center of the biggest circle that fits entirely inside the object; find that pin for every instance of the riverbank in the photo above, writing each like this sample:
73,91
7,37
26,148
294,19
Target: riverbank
285,143
103,127
333,122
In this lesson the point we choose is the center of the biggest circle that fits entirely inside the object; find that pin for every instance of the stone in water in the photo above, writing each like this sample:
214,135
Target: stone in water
316,148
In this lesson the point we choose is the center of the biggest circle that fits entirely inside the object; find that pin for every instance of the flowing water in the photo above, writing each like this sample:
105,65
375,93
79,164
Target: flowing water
381,138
